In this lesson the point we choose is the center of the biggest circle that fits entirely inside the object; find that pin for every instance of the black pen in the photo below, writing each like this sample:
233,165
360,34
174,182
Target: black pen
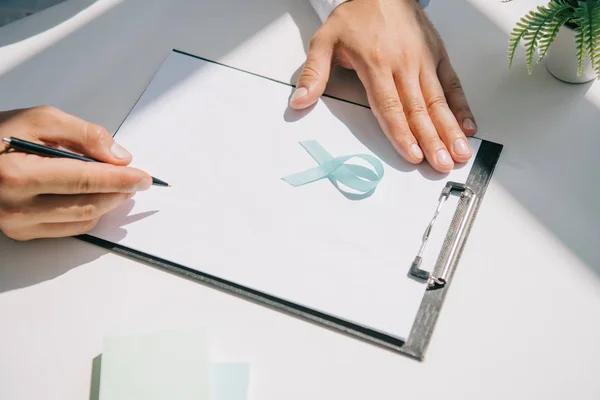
44,151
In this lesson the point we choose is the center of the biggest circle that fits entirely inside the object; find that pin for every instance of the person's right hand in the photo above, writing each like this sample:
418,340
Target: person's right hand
412,88
50,197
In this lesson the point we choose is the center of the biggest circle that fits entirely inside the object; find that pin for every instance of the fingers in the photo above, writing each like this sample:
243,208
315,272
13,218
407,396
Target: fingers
56,126
456,98
315,74
55,230
40,175
388,109
59,215
443,119
420,122
74,208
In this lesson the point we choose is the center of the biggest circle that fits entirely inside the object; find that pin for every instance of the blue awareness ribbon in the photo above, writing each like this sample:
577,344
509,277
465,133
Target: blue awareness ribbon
357,177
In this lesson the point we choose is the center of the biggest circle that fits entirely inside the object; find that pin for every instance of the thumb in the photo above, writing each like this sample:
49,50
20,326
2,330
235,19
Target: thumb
91,140
315,74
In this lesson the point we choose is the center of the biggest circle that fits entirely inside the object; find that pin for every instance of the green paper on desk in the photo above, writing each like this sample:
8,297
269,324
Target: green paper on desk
229,381
167,365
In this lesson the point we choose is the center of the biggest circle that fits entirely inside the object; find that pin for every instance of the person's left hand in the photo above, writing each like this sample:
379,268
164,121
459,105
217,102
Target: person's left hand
401,60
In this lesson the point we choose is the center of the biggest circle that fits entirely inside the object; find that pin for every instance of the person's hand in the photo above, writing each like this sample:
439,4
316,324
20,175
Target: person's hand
52,197
411,86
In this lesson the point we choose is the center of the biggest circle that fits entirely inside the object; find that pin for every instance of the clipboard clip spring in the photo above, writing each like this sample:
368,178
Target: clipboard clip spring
449,251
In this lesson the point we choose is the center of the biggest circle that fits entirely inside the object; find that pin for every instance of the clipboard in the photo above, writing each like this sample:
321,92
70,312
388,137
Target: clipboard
470,195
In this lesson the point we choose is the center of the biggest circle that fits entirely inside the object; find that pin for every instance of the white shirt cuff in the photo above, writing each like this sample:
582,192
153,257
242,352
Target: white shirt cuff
324,8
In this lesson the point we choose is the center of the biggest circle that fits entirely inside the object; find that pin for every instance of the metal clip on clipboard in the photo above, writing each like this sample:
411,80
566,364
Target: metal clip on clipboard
454,240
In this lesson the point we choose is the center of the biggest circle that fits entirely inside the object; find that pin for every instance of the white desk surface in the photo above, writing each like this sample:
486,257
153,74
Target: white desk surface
522,318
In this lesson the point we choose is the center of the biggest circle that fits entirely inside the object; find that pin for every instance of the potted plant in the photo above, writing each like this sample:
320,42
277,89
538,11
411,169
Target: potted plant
572,27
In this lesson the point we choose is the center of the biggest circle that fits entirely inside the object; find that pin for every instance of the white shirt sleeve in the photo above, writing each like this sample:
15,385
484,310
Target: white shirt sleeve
325,7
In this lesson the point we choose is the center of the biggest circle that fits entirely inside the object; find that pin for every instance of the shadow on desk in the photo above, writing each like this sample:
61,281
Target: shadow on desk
97,72
25,264
95,381
549,164
549,128
52,16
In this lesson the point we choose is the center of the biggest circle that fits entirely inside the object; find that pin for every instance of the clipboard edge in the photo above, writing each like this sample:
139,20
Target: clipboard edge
257,297
478,180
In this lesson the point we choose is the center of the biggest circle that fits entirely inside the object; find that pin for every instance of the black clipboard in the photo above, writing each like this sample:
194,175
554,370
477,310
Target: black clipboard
471,194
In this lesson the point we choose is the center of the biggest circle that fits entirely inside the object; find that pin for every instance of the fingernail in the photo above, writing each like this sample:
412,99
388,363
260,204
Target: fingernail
468,124
416,151
119,151
443,157
299,93
461,147
142,185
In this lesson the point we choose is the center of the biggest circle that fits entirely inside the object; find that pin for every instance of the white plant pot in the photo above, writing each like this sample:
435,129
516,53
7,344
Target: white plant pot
561,59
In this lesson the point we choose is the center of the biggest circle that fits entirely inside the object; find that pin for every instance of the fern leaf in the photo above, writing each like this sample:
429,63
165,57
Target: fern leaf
522,31
563,12
580,44
594,30
515,37
587,18
538,29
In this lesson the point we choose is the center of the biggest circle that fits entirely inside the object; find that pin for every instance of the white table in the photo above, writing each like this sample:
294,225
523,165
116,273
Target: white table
522,318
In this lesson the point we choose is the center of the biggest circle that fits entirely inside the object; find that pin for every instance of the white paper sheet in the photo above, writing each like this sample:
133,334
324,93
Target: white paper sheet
224,139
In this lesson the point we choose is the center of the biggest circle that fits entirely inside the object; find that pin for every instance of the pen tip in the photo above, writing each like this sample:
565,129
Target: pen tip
169,185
